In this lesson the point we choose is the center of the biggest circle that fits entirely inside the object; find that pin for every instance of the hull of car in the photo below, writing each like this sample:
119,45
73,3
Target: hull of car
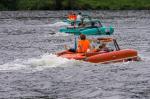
88,30
102,56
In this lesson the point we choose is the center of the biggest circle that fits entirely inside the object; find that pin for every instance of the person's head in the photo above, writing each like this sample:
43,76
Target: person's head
82,37
79,13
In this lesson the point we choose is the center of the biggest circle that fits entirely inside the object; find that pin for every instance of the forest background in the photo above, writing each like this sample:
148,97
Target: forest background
13,5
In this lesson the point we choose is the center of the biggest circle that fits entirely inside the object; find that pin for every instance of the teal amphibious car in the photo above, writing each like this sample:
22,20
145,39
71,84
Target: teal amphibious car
88,29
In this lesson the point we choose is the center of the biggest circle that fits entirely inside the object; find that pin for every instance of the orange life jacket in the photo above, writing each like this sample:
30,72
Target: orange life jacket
69,16
83,46
72,17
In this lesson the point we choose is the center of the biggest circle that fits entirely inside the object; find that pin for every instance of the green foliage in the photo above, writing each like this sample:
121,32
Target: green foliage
73,4
2,7
8,4
34,4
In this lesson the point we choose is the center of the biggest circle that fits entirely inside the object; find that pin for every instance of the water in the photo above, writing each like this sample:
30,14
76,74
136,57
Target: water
30,69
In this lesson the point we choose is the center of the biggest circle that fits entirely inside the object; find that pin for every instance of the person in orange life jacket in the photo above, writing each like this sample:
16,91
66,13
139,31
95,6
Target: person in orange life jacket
69,15
83,45
72,16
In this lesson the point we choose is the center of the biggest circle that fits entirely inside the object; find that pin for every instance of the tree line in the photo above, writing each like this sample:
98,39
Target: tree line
73,4
37,4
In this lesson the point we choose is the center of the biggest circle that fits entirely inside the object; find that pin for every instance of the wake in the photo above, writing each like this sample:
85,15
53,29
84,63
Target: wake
35,64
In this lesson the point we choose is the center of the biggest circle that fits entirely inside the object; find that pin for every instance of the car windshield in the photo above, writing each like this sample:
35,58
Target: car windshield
96,43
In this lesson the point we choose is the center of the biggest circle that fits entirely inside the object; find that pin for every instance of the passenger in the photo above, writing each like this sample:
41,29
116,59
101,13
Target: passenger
103,48
94,44
72,16
83,44
79,16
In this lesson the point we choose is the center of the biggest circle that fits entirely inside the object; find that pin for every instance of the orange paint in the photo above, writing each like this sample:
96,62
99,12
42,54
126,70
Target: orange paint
114,56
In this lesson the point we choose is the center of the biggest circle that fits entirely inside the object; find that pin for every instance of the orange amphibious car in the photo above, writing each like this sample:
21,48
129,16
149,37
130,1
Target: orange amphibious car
101,56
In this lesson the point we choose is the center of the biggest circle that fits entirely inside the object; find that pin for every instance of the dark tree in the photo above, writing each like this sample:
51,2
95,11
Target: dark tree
70,4
9,4
58,4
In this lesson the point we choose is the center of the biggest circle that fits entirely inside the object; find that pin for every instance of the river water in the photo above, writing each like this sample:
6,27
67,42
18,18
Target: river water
30,69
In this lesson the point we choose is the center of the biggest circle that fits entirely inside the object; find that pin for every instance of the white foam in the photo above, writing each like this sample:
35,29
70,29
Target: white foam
144,57
58,24
47,60
35,64
15,65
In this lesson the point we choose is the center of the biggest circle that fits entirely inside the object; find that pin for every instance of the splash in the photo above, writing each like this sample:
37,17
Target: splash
47,60
144,57
12,66
36,64
58,24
